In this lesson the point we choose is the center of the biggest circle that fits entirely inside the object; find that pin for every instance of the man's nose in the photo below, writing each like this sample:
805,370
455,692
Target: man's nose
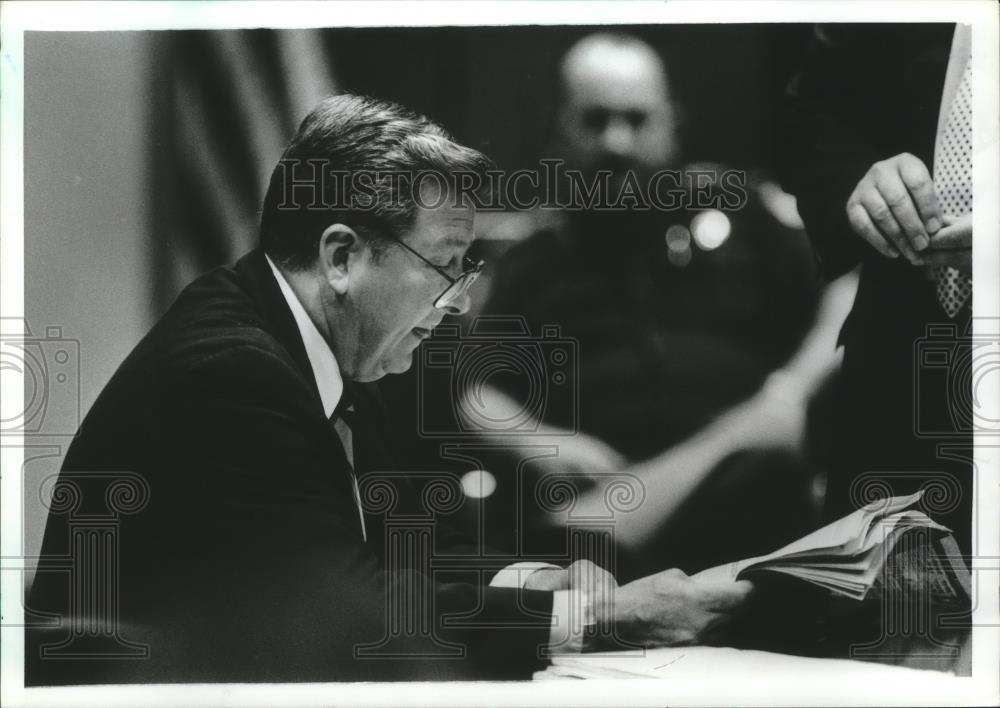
618,137
459,306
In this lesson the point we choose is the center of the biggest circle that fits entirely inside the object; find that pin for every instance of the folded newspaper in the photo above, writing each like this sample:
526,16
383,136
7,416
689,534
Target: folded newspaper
851,556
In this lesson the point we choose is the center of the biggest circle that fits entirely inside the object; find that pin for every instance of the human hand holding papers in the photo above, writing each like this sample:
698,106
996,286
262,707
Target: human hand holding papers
848,556
854,558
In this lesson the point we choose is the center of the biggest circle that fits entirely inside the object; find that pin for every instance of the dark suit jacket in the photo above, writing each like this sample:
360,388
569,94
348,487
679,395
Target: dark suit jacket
246,562
865,93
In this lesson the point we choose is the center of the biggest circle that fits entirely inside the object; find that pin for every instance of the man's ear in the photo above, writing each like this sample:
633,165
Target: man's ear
339,247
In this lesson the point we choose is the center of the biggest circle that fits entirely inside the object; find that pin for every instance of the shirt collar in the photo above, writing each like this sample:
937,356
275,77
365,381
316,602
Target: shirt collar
324,364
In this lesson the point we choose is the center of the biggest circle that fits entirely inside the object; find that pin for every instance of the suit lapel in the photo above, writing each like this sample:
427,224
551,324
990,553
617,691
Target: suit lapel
263,289
269,301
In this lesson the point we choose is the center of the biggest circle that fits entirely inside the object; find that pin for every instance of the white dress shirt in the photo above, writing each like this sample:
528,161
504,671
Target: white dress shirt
324,364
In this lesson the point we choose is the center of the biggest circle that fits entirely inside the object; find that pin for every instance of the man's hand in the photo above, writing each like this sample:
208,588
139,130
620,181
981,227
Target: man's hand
952,245
581,575
895,209
670,609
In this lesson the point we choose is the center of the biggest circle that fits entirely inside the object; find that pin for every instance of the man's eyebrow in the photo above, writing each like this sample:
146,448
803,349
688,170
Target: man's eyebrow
457,241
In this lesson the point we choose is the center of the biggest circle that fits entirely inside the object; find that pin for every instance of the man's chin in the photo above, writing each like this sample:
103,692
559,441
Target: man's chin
378,369
400,367
396,366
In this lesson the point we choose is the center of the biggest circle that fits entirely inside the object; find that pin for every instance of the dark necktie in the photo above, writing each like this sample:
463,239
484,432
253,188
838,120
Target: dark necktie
953,179
343,420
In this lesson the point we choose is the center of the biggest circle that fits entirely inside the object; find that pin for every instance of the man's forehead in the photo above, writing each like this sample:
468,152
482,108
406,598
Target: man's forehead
616,78
446,227
621,93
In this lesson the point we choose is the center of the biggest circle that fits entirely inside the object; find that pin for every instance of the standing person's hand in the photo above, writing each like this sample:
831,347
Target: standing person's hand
952,245
895,209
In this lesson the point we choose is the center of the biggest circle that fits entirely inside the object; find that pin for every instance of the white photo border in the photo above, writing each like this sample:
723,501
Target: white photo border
983,687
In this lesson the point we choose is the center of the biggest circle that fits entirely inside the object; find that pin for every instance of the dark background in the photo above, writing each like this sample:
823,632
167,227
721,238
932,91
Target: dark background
493,86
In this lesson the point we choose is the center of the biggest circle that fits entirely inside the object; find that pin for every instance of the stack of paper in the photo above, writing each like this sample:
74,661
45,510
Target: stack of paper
846,557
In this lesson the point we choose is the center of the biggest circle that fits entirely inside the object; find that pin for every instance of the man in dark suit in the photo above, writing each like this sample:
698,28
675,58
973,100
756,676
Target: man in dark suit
879,157
241,546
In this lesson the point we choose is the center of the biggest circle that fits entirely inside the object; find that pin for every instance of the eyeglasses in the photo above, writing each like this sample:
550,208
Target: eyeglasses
457,287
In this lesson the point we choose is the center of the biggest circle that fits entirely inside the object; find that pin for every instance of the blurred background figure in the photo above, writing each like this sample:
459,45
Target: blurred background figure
699,332
615,111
